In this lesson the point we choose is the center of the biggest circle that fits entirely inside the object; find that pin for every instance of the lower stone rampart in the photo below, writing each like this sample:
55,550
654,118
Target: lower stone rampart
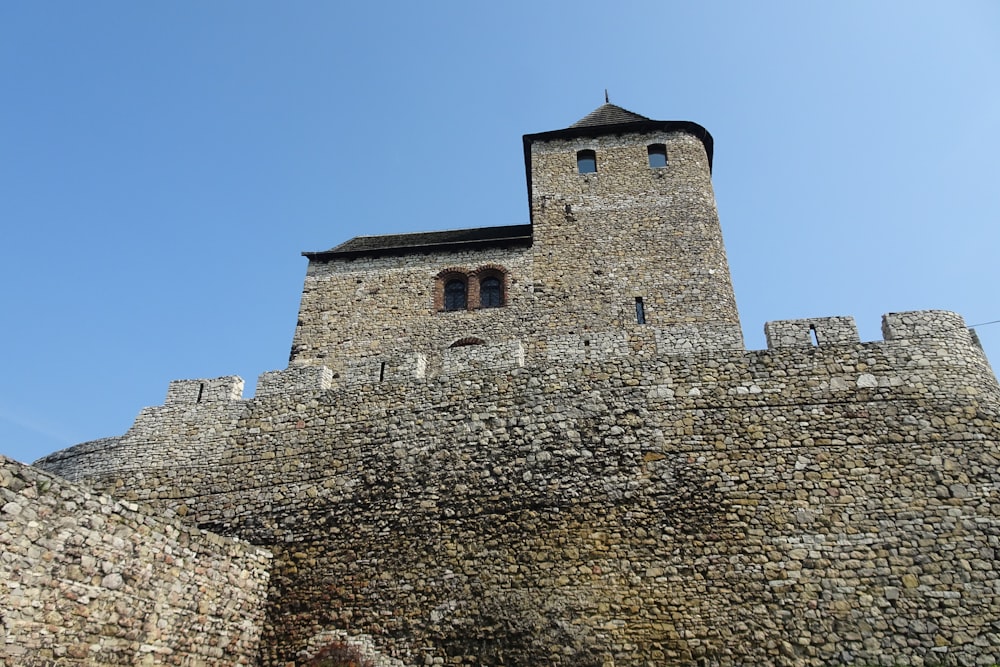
808,505
88,580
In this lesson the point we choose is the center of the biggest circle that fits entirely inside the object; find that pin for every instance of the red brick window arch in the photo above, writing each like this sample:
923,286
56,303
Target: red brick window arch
469,340
451,290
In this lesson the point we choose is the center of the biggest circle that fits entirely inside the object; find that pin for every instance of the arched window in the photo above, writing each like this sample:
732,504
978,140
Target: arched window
586,161
490,292
455,294
470,340
657,155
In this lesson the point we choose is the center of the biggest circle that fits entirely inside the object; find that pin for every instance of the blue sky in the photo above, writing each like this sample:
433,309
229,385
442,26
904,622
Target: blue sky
162,165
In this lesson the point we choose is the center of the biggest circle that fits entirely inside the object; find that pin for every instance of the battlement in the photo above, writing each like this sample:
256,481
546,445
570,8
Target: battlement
811,332
819,331
923,324
216,390
294,378
474,355
843,449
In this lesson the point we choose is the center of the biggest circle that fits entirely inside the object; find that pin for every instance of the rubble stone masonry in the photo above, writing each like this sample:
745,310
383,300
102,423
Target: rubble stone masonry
591,472
89,580
798,505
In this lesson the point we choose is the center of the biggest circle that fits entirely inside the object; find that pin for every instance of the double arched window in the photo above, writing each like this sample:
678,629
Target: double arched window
462,289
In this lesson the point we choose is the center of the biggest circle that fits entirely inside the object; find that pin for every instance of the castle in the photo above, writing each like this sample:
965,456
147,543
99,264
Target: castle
536,444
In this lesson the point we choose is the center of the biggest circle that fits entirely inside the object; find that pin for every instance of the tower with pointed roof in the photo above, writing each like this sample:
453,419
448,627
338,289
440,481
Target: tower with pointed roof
623,251
626,231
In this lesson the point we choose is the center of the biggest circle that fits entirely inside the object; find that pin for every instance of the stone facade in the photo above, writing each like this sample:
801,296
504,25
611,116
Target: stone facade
89,580
580,478
601,243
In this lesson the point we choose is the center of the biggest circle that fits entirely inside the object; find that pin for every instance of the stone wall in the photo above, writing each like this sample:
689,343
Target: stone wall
357,313
804,505
89,580
628,231
602,243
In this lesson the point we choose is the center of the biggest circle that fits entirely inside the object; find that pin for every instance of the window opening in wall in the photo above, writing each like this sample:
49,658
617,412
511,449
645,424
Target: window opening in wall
812,335
468,340
490,293
381,372
657,155
455,294
586,162
640,311
201,390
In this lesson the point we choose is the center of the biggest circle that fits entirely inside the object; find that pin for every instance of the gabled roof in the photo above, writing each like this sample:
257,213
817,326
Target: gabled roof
608,114
454,239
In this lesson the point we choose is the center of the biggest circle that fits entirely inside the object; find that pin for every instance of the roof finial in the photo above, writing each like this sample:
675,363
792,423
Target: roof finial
606,100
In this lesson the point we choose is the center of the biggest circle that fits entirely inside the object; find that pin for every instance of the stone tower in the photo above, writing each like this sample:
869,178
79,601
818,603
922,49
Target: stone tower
626,230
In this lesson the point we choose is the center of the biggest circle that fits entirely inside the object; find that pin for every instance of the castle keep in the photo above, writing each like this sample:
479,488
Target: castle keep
542,444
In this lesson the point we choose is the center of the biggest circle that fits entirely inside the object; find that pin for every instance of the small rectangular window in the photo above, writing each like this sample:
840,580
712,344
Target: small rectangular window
640,311
657,155
586,162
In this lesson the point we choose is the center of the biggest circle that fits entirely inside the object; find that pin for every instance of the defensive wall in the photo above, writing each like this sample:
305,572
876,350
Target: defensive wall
89,580
616,502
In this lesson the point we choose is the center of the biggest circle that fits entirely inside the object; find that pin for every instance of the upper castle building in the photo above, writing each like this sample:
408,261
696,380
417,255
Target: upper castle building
624,244
536,444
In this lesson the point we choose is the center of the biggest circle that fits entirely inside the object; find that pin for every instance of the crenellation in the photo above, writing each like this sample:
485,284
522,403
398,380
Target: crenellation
213,390
386,367
482,356
294,378
920,323
811,332
686,338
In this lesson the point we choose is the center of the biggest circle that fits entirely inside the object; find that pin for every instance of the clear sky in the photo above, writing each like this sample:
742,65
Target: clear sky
162,165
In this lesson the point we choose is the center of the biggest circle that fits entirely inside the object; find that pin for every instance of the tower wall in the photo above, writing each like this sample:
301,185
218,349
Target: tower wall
628,231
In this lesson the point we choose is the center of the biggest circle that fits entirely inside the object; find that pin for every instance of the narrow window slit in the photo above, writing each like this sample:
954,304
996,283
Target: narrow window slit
640,311
201,391
814,339
381,372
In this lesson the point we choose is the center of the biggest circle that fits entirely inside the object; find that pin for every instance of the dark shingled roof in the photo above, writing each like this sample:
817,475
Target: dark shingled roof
608,114
455,239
